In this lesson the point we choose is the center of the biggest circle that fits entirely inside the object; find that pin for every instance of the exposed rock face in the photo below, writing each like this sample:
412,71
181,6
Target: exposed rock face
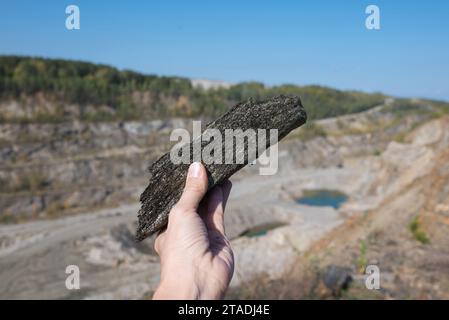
396,219
50,168
393,171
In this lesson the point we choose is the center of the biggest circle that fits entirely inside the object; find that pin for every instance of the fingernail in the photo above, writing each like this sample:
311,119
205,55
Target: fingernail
194,170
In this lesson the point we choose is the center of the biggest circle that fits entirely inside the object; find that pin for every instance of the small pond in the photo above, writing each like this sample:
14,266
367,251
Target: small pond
323,198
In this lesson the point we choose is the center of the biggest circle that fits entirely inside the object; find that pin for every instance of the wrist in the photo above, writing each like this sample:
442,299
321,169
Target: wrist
176,290
186,289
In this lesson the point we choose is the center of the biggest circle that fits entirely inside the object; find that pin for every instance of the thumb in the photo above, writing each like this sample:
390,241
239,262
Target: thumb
195,188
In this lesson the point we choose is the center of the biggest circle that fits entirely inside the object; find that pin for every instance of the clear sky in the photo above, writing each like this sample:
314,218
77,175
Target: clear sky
300,42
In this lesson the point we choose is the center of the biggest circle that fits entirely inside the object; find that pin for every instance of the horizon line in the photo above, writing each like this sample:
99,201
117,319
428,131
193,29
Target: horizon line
230,83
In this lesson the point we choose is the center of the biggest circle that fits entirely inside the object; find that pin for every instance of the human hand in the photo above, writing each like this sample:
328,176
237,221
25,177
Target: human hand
196,258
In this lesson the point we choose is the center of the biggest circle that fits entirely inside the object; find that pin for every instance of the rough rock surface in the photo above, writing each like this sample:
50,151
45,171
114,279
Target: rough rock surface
167,178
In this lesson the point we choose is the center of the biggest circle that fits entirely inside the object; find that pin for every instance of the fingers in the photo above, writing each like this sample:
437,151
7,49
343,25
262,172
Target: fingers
214,214
195,188
227,186
216,205
159,242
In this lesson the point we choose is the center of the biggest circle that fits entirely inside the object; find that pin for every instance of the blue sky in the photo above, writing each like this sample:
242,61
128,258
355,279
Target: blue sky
301,42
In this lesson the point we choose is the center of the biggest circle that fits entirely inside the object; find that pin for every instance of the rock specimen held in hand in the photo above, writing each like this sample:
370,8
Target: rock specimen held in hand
167,177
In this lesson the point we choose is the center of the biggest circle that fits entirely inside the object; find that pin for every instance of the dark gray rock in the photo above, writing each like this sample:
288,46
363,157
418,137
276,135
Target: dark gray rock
337,279
167,179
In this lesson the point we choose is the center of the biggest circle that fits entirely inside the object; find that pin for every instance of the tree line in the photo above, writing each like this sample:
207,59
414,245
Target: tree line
132,95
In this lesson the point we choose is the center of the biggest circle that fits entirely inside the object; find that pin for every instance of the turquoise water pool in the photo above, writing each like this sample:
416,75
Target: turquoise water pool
323,198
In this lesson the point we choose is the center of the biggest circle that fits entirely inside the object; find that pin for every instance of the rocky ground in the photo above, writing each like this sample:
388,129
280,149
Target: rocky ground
74,189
